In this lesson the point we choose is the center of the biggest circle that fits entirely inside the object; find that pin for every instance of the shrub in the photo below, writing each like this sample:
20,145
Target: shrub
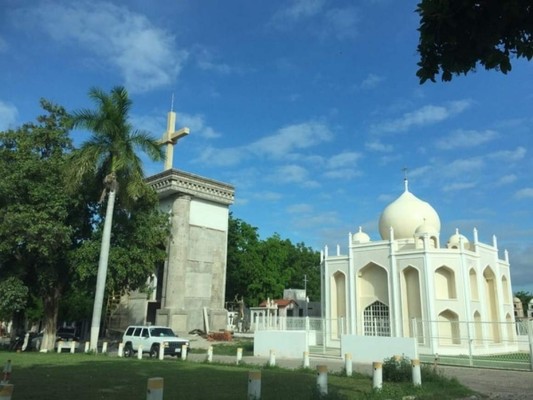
397,369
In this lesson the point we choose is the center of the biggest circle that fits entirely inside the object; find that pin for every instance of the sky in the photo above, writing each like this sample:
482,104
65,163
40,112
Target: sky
311,109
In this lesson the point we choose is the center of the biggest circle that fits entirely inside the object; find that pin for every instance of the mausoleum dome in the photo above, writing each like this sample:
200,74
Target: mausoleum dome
405,215
456,238
360,237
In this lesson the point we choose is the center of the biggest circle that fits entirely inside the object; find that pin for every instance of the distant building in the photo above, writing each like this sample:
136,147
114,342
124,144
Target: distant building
409,285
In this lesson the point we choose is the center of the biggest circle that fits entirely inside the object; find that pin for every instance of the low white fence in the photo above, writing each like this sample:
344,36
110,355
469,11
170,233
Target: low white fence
506,345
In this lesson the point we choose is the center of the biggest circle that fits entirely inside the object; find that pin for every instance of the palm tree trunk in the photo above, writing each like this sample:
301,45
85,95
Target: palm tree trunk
102,271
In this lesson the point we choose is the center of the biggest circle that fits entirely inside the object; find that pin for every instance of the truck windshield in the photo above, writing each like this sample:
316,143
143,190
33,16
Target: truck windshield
161,332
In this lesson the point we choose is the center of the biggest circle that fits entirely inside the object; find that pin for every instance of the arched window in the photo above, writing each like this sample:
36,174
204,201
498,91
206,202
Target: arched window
449,332
445,283
376,320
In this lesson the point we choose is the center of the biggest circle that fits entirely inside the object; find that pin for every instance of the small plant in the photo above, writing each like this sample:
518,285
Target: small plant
397,369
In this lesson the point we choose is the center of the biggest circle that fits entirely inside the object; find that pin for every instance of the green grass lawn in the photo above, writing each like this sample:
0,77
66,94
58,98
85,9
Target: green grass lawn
90,377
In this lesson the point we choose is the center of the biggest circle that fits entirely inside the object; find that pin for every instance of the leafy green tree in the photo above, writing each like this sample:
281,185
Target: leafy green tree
457,35
110,156
258,269
13,297
39,221
243,262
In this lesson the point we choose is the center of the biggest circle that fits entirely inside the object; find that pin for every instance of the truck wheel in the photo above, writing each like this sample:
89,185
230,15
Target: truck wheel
128,350
154,351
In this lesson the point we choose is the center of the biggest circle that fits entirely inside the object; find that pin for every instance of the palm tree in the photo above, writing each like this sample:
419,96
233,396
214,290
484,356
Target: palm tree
110,154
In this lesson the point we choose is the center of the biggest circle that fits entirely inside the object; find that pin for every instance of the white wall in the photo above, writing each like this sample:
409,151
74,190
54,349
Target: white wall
286,344
367,349
209,215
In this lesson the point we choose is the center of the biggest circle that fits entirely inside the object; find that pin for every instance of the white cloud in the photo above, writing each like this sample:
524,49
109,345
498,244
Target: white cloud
424,116
299,9
301,208
348,158
508,155
371,81
338,22
343,173
8,115
460,167
290,138
224,157
459,186
526,193
466,138
268,196
279,146
196,123
342,22
376,145
507,179
3,45
293,174
206,60
145,55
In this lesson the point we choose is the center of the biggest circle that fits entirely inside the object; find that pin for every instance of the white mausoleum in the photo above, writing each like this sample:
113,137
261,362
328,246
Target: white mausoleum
454,296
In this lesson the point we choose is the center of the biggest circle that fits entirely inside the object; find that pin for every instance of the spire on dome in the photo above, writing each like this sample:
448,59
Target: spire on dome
405,181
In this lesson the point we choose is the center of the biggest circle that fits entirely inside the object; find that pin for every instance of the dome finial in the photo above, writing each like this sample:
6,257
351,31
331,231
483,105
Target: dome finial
405,181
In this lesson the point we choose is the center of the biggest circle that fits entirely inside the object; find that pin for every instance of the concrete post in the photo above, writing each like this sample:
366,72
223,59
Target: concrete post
210,354
6,391
73,347
87,344
120,352
272,359
161,352
140,352
306,359
377,378
322,379
348,364
104,348
184,352
7,373
254,385
154,390
239,355
417,376
60,346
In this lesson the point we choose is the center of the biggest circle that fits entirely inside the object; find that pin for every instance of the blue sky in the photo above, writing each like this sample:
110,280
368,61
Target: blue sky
310,108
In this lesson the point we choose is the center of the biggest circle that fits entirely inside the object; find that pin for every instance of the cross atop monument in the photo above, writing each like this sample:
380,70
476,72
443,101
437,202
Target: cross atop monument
171,136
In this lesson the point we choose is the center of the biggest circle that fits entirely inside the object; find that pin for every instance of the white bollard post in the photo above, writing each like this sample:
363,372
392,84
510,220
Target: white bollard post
210,354
417,376
272,359
239,355
104,348
377,378
154,390
72,347
120,351
161,352
140,352
348,364
7,373
87,346
306,359
184,352
322,379
60,346
254,385
6,391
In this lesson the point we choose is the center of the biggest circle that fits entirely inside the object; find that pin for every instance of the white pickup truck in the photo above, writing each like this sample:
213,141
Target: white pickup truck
152,338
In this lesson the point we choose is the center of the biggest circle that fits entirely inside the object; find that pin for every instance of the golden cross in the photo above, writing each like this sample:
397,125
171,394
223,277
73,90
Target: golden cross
170,138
